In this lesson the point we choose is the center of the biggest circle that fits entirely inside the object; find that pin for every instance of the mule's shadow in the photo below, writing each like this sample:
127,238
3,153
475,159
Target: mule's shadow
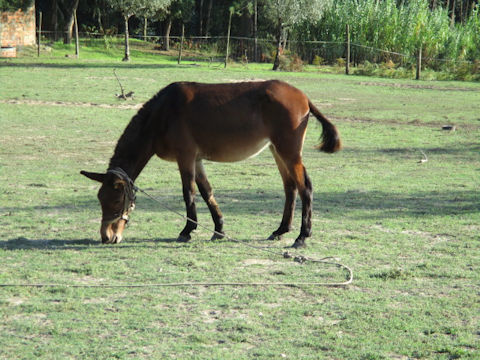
378,204
21,243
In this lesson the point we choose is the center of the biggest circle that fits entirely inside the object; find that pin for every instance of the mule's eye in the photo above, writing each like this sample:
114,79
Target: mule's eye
117,189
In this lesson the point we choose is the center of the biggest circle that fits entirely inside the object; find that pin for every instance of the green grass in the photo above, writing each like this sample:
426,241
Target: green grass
408,229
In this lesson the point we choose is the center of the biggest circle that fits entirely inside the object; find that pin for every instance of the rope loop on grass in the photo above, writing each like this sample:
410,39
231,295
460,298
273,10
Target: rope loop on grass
286,255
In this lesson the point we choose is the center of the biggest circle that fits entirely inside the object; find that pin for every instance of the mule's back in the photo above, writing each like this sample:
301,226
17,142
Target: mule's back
231,122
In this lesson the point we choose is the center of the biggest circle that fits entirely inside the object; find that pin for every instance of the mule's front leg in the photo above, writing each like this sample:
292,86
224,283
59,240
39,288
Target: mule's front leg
188,184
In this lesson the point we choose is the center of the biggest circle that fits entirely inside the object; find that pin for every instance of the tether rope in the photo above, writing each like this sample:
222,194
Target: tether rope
286,255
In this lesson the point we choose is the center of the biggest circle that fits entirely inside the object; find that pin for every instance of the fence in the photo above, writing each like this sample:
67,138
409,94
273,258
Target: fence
242,49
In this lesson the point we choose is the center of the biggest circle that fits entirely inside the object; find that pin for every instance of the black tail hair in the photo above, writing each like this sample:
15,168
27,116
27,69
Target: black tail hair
330,139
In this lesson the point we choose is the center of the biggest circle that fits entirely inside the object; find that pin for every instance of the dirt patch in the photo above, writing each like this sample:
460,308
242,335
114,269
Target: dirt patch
249,262
70,103
15,301
432,124
432,238
244,80
415,86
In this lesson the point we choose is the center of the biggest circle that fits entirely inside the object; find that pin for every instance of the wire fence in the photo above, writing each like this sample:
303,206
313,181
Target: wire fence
245,50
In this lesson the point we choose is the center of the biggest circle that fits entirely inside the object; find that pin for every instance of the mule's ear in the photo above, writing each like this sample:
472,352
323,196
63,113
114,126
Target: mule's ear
94,176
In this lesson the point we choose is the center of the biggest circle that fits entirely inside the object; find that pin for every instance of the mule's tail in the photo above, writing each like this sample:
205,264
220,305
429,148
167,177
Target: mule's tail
330,137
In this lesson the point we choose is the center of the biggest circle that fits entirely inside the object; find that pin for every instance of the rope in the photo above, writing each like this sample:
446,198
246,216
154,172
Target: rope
298,258
184,284
286,254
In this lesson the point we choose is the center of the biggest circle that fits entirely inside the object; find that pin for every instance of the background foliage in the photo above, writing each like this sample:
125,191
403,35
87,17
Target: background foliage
447,31
12,5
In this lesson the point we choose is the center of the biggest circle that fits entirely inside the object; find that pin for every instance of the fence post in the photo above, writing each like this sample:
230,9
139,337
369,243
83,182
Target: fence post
228,35
419,63
347,44
39,32
77,45
181,44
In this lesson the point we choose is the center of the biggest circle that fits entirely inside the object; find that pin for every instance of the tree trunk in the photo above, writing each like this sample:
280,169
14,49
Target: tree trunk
68,11
127,45
207,20
181,44
145,25
276,62
39,32
54,20
67,31
99,21
452,19
168,27
284,38
77,44
200,19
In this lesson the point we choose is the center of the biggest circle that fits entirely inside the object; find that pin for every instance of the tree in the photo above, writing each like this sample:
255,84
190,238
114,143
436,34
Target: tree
287,13
174,10
68,8
129,8
154,9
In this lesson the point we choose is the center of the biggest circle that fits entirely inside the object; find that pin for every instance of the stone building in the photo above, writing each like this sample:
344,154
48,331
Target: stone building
17,28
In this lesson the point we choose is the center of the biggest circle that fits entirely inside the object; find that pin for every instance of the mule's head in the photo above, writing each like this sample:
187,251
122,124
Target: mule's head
117,199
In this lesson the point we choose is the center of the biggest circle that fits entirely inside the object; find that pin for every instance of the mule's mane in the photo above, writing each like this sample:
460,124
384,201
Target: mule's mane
136,137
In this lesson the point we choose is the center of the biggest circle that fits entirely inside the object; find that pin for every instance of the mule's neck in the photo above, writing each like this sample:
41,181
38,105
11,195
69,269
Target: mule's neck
132,168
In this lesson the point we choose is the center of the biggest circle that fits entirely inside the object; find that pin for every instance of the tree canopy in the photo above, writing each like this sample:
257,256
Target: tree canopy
13,5
446,28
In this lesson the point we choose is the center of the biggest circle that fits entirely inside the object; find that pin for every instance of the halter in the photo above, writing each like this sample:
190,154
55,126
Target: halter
129,192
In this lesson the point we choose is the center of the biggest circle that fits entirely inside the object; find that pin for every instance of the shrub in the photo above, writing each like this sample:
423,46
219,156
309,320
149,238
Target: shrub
388,65
290,62
318,60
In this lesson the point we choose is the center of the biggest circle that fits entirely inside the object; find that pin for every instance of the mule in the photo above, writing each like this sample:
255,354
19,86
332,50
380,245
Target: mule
187,122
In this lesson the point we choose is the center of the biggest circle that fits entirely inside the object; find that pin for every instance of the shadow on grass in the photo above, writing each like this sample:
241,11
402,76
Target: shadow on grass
21,243
265,202
376,204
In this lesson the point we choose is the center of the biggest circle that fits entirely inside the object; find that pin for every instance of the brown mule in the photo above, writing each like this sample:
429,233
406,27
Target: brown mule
188,122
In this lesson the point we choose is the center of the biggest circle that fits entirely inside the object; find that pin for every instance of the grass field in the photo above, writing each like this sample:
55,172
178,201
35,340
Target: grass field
408,229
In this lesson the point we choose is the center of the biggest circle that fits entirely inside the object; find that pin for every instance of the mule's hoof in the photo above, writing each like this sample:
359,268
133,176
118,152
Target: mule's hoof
183,238
275,237
217,236
299,243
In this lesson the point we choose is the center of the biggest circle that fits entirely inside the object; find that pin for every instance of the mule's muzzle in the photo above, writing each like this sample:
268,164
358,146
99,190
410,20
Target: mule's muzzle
111,231
115,239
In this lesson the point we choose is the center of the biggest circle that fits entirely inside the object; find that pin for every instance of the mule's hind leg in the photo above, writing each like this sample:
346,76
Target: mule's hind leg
290,195
207,195
304,185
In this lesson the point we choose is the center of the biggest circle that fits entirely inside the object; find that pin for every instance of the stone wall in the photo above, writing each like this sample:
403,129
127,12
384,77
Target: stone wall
17,28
